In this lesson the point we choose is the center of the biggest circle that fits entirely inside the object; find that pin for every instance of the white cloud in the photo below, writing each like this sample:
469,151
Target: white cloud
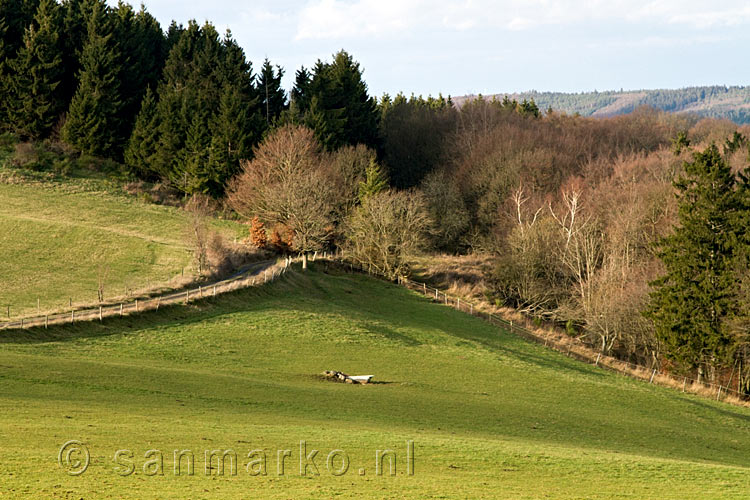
335,19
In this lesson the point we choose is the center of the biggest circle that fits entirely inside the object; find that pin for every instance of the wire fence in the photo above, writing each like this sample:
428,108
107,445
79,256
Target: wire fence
269,271
256,275
572,346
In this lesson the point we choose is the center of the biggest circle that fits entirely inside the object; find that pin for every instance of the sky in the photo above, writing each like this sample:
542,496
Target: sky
483,46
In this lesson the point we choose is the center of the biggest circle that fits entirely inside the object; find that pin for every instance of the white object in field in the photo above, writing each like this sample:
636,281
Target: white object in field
362,378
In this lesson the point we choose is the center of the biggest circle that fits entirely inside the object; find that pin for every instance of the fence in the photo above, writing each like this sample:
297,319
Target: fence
256,275
572,346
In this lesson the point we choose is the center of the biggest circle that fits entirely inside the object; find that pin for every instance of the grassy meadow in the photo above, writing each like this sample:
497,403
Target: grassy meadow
490,415
58,239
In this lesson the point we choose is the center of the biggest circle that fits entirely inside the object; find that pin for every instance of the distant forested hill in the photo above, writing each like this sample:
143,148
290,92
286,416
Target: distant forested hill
732,103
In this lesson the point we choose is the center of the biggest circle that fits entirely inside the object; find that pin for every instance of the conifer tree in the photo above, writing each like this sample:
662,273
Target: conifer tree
140,39
32,102
345,113
175,102
375,181
4,56
141,148
230,140
695,301
301,92
74,16
195,168
93,118
272,95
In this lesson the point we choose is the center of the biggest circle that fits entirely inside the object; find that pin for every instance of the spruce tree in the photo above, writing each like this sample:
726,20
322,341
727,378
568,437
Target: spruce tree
301,92
196,175
175,103
4,56
75,13
272,95
142,145
345,113
93,118
375,181
694,303
32,101
140,39
230,141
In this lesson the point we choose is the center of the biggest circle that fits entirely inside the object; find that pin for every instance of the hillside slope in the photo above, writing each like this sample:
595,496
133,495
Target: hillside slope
490,415
732,103
59,239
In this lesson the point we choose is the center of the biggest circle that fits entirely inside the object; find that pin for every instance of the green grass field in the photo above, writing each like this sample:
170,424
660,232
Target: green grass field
57,239
490,415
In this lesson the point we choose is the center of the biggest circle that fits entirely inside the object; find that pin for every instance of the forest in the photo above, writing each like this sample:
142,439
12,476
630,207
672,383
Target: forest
731,103
626,231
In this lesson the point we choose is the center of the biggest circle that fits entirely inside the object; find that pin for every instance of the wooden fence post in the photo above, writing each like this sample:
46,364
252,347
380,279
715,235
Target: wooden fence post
684,383
136,305
187,296
158,303
100,313
46,321
72,316
120,308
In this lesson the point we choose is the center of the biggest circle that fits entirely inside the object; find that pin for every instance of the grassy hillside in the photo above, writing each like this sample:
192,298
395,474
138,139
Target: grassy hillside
732,103
490,415
59,235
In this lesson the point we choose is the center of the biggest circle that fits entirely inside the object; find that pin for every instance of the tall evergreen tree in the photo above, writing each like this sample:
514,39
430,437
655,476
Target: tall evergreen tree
230,140
93,118
141,148
375,181
695,301
345,113
301,92
75,14
208,114
195,169
272,95
4,57
348,91
32,101
140,39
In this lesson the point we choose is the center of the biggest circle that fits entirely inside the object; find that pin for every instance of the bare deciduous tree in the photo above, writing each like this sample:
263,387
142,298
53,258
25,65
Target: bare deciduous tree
385,229
286,183
197,231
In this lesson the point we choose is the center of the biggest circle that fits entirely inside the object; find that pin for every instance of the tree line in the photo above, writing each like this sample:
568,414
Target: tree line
182,105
